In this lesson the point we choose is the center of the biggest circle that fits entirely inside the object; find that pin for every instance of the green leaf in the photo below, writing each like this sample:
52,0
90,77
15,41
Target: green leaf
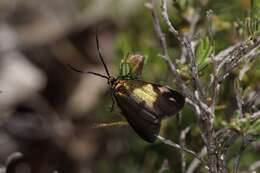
203,51
255,5
183,4
255,128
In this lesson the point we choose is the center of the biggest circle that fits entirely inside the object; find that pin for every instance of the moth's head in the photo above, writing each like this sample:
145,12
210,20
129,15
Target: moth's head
111,81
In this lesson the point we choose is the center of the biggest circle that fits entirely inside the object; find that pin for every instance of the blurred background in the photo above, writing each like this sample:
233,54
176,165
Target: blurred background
49,114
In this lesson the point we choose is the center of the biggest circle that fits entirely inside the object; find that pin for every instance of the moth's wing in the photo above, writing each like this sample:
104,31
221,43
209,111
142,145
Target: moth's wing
168,102
144,122
159,99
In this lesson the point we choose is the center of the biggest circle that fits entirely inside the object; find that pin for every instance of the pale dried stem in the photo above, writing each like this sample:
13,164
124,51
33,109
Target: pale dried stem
183,143
255,116
182,148
205,116
234,58
185,42
172,64
239,98
195,162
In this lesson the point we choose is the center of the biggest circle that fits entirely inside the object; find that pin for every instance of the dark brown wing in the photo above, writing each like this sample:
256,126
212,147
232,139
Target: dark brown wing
144,105
159,99
144,123
168,102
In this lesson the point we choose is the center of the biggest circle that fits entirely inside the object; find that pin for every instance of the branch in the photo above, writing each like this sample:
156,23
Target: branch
195,162
239,98
214,78
249,58
185,42
108,125
183,143
193,24
182,148
254,166
235,57
167,21
246,141
255,116
171,64
165,166
194,97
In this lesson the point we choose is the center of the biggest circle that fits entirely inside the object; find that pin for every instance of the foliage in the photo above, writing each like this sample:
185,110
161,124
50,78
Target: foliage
225,21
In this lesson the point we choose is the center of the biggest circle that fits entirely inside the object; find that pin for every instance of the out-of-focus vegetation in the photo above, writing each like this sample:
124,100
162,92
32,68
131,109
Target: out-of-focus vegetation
51,117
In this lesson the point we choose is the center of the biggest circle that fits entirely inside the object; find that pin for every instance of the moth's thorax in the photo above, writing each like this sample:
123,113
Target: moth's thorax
118,85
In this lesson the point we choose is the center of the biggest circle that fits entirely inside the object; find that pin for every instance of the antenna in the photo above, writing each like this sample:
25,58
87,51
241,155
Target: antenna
89,72
102,60
100,55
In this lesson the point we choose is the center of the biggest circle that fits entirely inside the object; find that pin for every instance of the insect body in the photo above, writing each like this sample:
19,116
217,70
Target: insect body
143,104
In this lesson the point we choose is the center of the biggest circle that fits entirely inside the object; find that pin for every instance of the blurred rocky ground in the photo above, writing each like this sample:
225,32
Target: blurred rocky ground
46,109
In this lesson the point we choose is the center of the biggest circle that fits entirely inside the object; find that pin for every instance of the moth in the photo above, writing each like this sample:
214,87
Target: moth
143,104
